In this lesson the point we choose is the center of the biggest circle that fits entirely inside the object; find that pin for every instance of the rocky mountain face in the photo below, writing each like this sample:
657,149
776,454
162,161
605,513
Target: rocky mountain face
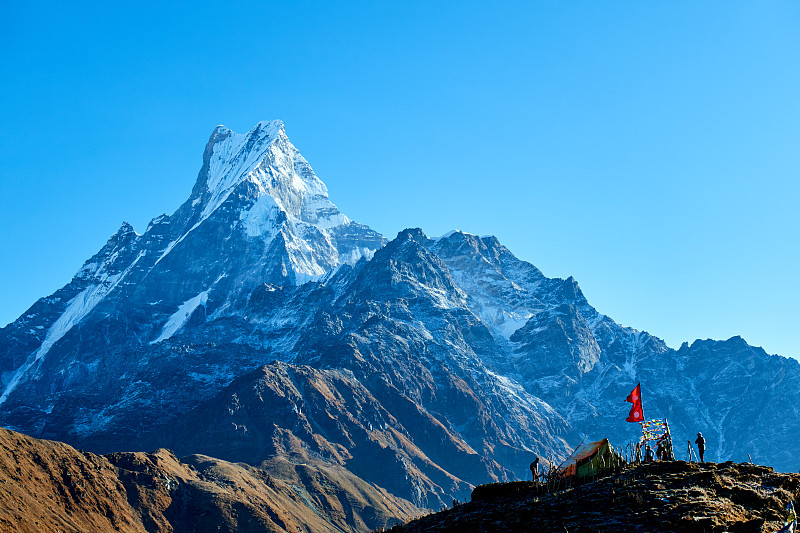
258,322
49,486
256,215
666,497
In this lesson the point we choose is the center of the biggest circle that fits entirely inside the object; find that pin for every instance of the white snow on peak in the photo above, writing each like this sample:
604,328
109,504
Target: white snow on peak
265,157
181,316
234,157
235,154
280,178
503,318
446,235
453,232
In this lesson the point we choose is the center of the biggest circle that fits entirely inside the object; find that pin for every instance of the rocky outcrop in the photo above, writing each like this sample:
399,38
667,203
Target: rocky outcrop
664,497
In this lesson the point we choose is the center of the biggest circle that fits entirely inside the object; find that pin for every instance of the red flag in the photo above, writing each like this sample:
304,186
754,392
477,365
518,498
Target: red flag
635,397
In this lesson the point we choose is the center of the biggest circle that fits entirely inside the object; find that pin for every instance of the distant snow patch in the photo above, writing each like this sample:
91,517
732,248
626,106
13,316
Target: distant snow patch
301,278
355,254
508,323
181,316
446,235
504,321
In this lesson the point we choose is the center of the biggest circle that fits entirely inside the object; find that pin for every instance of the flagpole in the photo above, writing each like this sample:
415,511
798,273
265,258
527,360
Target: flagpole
641,404
669,437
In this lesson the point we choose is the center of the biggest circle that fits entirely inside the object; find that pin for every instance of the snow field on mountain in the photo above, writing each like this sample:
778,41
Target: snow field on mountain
181,316
261,219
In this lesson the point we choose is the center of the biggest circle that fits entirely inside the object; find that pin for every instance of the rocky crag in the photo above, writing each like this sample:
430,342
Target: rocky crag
667,497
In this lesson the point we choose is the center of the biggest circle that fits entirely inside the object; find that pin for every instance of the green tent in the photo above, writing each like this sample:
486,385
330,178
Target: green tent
590,459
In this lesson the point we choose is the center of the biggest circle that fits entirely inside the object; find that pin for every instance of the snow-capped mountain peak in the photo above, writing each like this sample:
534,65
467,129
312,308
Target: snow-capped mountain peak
262,188
233,156
262,162
257,214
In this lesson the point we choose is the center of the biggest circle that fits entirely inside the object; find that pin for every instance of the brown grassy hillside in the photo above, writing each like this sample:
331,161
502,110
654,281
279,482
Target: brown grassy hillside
49,486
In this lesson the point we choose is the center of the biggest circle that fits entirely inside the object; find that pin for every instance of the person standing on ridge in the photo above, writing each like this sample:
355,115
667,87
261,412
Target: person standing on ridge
535,469
701,445
661,451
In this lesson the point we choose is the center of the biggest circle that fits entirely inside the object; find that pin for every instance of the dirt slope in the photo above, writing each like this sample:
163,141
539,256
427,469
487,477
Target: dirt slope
49,486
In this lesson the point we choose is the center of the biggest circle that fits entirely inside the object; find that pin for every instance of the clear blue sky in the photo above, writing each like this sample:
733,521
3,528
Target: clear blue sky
650,149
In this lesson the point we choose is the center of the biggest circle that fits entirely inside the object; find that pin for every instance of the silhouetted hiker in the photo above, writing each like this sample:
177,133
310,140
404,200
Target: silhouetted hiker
648,453
701,445
661,451
535,469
